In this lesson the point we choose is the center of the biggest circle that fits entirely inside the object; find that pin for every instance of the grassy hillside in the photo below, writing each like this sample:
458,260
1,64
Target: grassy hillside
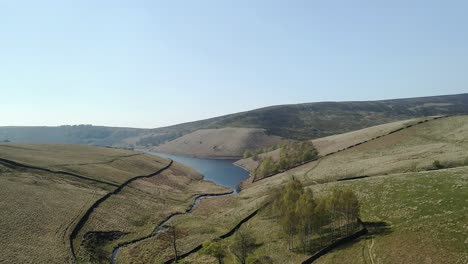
38,210
47,189
106,164
403,204
331,144
412,218
219,143
300,121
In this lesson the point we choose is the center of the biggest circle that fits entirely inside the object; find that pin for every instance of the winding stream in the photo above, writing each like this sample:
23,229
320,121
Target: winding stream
222,172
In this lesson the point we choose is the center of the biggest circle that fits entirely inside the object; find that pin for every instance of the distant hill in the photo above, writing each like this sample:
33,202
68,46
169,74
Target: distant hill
297,121
219,143
78,134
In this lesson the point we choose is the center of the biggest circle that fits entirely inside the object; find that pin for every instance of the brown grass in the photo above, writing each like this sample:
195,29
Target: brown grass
138,208
108,164
219,143
37,211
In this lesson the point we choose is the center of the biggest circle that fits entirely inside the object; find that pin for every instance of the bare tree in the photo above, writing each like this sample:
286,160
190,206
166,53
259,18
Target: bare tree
171,236
243,245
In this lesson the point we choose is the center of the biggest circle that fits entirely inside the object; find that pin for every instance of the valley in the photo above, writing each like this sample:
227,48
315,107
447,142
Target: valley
108,204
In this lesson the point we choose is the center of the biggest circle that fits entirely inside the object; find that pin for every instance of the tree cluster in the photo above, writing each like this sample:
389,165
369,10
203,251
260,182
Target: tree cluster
312,221
291,154
242,245
254,153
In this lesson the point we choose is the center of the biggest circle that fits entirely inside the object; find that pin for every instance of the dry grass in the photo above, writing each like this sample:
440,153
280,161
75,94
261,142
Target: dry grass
338,142
37,211
334,143
143,204
219,143
108,164
409,150
212,218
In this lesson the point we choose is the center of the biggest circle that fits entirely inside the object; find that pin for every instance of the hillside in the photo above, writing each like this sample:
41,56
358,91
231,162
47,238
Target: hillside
219,143
314,120
77,134
54,194
331,144
300,121
414,211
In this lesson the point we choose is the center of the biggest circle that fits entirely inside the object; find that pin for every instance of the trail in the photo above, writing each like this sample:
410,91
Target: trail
371,253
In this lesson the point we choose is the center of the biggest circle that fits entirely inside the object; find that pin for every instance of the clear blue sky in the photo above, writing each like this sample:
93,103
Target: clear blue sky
155,63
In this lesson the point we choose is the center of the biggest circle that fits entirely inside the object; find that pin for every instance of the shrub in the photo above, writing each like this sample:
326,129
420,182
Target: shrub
437,165
215,249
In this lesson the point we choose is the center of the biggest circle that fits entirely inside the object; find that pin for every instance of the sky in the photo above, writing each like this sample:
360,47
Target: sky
156,63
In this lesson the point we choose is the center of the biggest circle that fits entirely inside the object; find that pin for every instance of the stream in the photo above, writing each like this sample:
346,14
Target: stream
222,172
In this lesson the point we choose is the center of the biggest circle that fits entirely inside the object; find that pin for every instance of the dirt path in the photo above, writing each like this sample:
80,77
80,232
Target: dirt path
371,252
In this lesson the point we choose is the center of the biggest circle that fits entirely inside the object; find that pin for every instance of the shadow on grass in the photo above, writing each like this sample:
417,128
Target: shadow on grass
375,229
378,228
371,230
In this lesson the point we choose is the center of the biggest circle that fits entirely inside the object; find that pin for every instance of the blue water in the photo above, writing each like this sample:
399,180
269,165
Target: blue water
222,172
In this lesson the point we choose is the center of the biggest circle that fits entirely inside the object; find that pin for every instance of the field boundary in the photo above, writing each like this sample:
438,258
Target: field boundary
16,164
90,210
223,236
357,144
162,222
102,162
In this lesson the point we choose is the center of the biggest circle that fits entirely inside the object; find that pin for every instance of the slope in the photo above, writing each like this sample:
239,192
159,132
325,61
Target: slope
219,143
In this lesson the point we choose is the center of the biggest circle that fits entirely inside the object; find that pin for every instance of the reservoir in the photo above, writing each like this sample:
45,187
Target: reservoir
220,171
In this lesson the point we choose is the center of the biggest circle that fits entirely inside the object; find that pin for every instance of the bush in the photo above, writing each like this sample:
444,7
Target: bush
437,165
215,249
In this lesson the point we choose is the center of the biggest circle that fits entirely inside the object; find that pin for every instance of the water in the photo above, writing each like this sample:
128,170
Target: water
220,171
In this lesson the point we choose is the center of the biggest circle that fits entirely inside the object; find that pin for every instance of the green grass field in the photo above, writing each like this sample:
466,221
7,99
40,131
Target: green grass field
417,218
